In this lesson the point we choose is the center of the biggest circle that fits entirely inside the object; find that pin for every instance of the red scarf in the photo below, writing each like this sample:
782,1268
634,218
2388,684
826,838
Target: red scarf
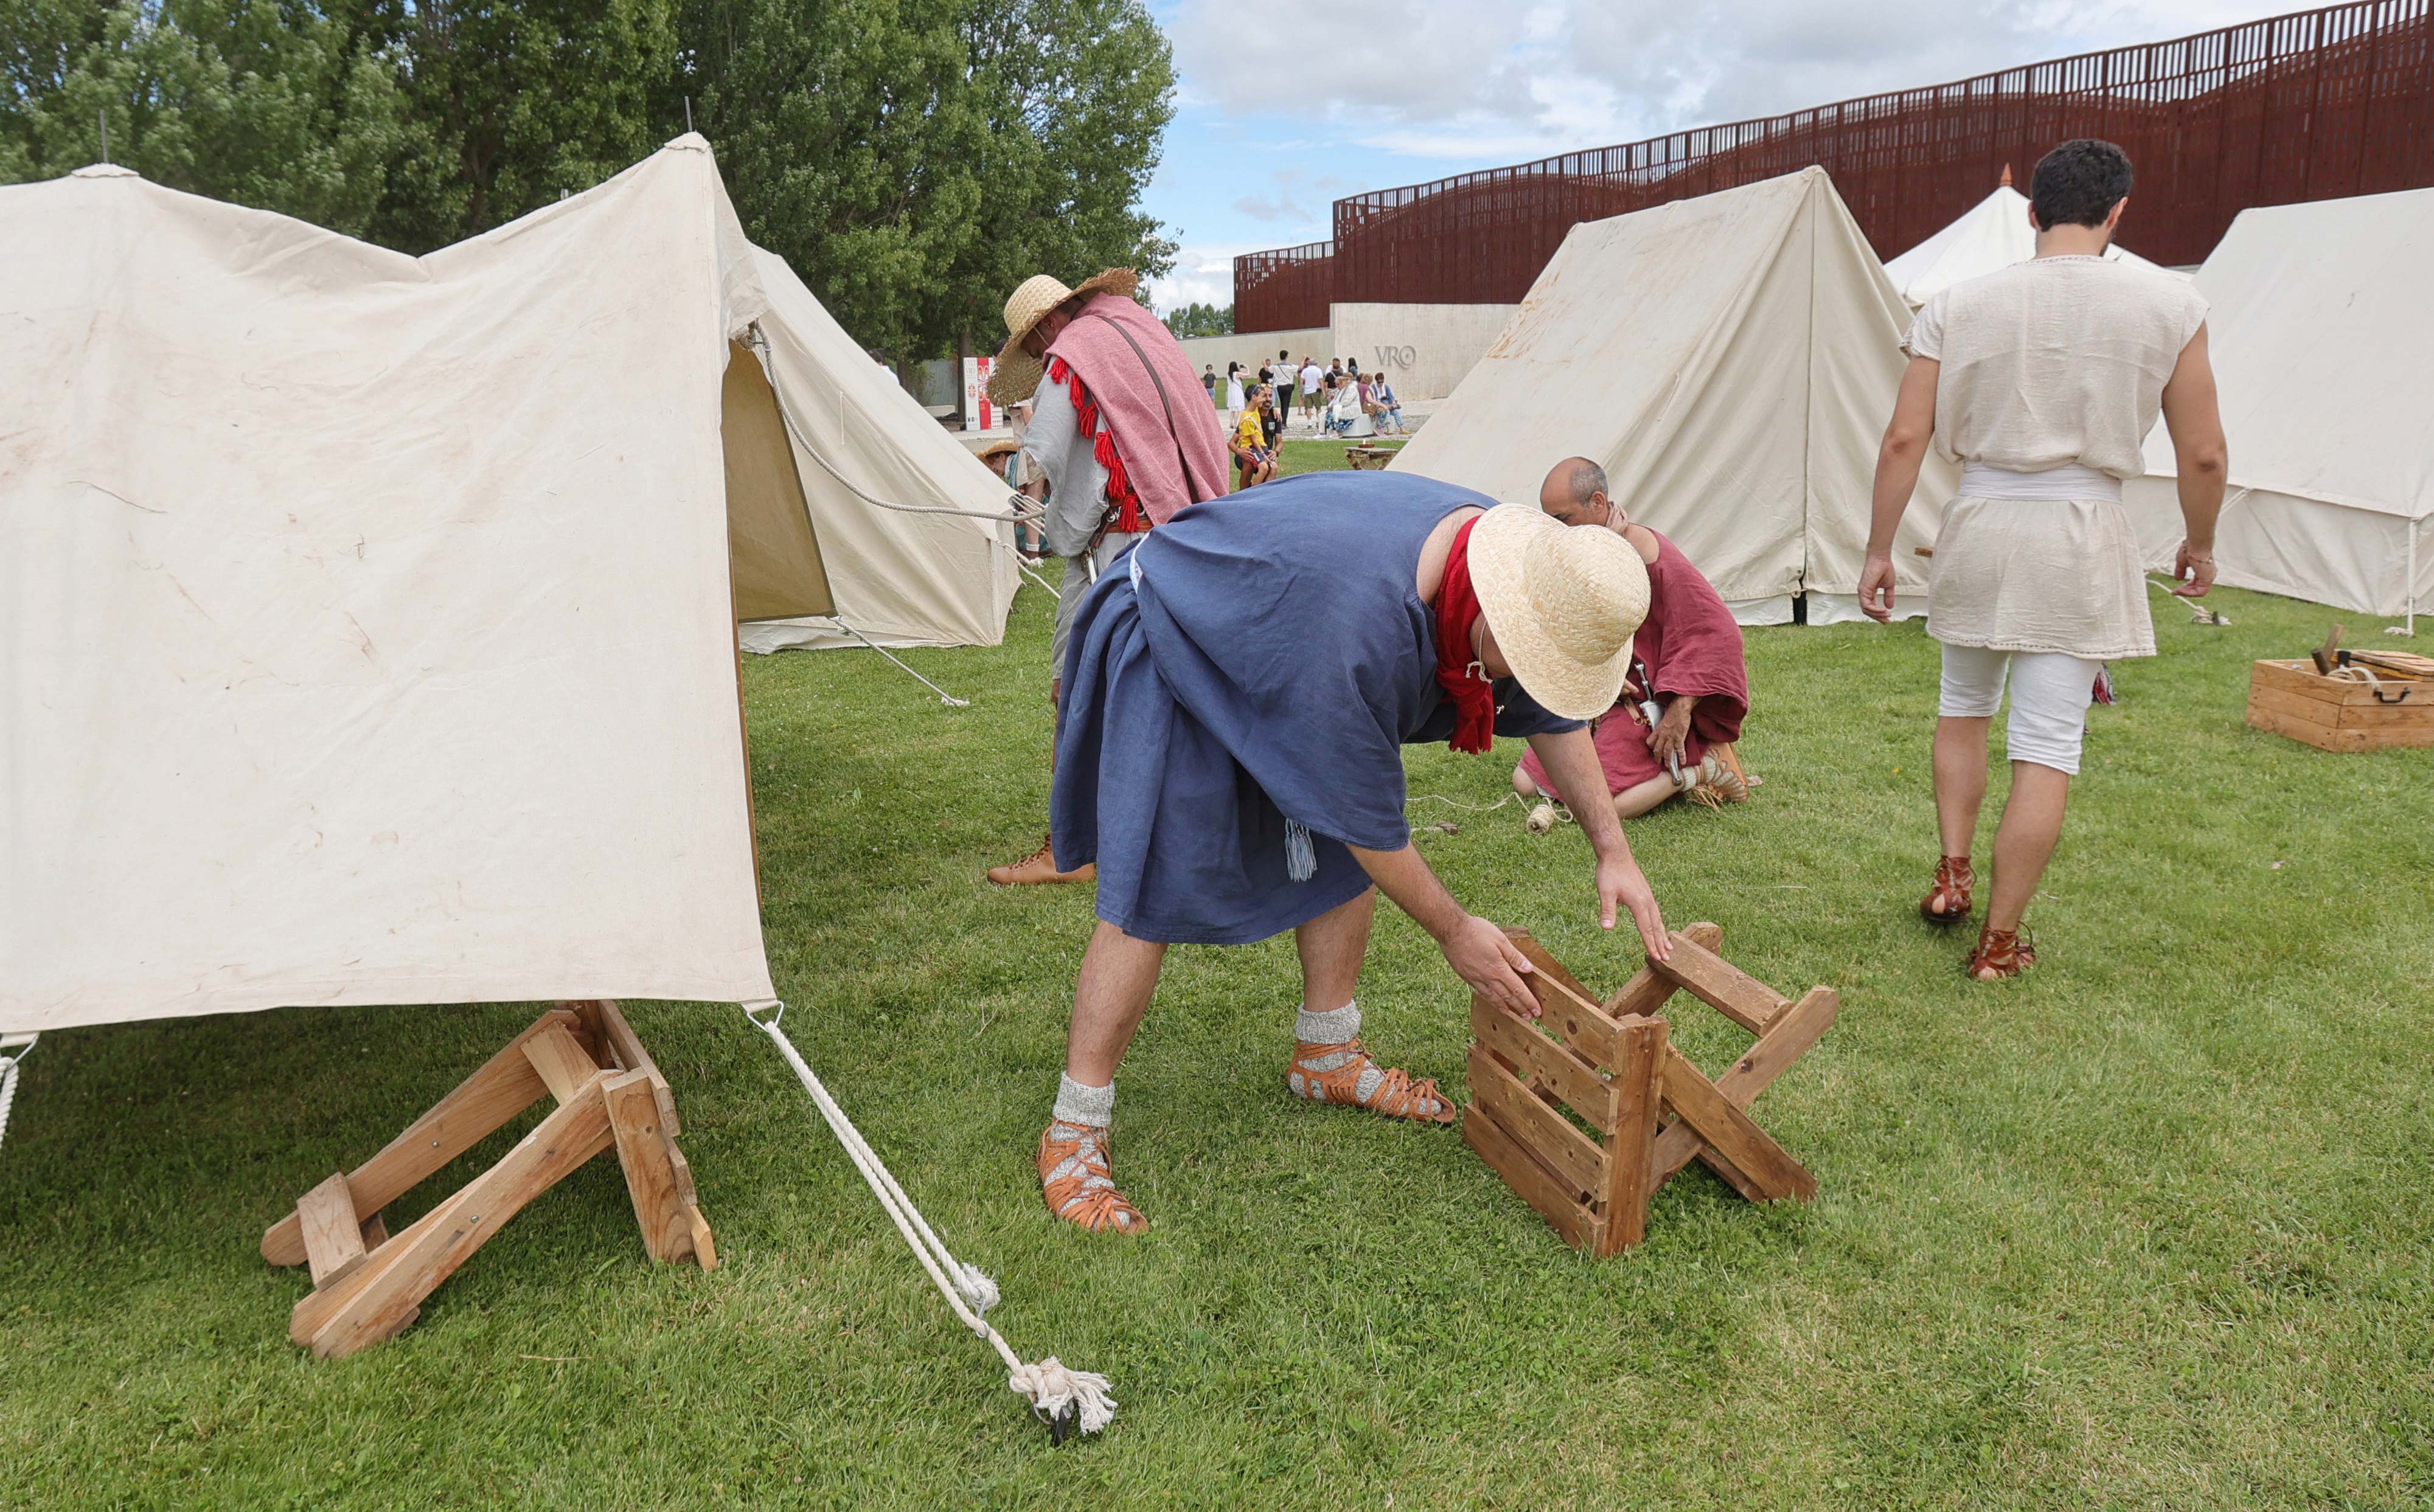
1121,492
1474,699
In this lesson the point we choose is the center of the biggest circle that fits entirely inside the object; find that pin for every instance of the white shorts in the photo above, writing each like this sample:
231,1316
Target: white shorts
2051,692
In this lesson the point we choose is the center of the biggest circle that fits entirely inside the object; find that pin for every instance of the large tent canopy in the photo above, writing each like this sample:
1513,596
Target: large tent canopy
1731,360
2320,324
1991,235
370,620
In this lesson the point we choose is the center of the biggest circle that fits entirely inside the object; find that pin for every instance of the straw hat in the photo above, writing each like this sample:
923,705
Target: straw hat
1563,601
1016,372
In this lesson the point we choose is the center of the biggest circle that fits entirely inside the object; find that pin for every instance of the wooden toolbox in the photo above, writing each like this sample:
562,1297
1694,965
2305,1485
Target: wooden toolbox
2346,711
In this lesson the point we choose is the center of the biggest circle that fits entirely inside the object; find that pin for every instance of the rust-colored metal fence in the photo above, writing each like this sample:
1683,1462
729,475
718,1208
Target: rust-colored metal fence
1288,289
2317,105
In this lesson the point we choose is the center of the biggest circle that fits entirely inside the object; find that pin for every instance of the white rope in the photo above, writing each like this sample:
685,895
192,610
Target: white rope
1063,1399
943,697
22,1045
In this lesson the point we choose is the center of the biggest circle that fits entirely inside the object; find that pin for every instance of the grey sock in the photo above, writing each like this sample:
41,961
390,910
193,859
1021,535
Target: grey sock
1091,1107
1337,1026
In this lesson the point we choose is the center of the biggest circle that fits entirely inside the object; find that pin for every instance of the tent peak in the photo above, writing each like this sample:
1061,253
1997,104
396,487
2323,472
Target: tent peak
104,170
2007,178
690,141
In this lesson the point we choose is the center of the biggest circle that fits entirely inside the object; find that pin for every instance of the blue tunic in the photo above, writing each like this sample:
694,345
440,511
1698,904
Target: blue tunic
1258,657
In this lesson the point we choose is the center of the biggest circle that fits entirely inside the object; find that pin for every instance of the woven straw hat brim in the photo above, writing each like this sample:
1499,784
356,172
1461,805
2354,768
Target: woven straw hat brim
1563,685
1014,374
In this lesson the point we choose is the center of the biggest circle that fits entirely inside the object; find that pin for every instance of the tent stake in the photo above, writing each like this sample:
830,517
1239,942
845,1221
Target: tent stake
943,697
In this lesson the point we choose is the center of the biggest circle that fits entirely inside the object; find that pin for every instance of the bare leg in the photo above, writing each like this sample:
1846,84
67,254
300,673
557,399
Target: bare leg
2024,841
1333,947
1118,974
1640,797
1522,785
1959,780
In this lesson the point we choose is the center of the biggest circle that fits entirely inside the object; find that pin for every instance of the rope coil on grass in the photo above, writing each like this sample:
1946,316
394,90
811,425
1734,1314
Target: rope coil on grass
1068,1400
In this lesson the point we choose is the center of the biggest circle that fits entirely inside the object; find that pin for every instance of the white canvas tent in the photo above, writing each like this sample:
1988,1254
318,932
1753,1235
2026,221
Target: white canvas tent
900,578
1731,360
1991,235
370,619
2320,324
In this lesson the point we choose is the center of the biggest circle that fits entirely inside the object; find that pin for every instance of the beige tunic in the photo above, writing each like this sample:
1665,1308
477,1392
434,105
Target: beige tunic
2054,362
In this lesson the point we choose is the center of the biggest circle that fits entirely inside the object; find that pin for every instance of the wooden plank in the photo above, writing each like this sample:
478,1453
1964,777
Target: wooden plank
1646,992
1722,985
1542,960
1563,1150
334,1237
1772,1172
382,1297
1543,1064
506,1085
1638,1098
2291,705
2306,731
2295,678
643,1149
562,1064
1786,1040
622,1048
1531,1181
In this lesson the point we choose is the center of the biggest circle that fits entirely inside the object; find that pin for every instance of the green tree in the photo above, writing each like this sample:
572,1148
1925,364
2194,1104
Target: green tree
275,105
1197,319
914,160
514,104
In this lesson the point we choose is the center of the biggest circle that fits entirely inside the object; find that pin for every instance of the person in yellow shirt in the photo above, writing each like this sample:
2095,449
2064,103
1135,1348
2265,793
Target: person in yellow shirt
1255,460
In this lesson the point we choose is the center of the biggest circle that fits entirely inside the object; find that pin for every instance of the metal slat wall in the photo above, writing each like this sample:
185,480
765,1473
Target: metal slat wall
2317,105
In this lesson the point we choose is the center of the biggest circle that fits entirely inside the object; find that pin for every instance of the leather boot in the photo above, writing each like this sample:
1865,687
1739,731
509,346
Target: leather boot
1039,866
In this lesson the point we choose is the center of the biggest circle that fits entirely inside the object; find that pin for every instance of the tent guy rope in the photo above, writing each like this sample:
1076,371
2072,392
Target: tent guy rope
1066,1400
943,697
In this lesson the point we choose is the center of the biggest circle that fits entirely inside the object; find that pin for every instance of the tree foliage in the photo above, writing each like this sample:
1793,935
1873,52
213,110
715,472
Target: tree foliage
913,160
1197,319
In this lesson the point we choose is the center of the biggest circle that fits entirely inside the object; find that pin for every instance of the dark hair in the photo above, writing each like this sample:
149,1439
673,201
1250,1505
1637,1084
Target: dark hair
2079,183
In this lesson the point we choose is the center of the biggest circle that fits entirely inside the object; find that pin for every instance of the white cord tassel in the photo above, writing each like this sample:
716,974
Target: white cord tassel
1063,1399
8,1080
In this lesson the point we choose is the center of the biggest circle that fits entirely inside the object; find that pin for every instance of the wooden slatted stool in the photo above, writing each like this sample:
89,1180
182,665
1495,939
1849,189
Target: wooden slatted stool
369,1286
1651,1110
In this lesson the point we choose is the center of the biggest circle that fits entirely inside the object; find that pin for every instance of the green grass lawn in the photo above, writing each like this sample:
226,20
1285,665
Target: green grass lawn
2148,1228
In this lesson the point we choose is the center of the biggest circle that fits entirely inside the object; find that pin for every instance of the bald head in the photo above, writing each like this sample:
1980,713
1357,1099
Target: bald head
1574,493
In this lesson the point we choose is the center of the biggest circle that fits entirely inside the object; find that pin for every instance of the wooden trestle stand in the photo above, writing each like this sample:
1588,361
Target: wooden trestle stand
369,1286
1653,1111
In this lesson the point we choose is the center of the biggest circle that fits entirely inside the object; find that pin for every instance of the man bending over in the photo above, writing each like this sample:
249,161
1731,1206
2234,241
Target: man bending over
1229,756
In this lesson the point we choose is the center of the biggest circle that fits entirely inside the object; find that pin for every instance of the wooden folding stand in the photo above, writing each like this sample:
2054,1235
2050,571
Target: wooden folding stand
1653,1111
369,1286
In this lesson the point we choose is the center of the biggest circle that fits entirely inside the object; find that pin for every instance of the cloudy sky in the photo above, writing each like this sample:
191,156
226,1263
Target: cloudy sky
1288,104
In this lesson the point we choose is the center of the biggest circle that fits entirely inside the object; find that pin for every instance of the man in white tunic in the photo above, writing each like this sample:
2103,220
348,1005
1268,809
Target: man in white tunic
2042,379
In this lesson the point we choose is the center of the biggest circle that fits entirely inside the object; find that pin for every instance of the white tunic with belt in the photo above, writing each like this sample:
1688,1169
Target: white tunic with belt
2051,374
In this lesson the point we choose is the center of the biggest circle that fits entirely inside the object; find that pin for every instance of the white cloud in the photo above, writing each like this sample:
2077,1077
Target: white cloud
1200,275
1482,84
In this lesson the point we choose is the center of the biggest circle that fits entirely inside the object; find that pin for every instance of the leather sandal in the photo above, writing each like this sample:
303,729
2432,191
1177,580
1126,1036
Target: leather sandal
2002,953
1074,1181
1334,1073
1040,866
1947,902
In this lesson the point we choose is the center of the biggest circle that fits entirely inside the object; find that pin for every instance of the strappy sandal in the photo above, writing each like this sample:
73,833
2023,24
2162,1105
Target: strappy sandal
1953,880
1717,780
2002,953
1074,1180
1334,1074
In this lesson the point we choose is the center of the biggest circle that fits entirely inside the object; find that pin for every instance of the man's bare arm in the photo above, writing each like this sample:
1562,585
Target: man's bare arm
2194,420
1571,761
1898,458
1475,949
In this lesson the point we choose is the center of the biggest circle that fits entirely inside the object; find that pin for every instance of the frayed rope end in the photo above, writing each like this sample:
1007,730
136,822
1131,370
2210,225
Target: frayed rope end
1066,1401
1301,857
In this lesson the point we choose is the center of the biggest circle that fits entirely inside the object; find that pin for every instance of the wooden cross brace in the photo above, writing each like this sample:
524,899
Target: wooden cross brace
369,1286
1652,1111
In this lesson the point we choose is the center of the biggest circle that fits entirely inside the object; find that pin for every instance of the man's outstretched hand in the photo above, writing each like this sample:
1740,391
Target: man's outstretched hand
1492,965
1620,885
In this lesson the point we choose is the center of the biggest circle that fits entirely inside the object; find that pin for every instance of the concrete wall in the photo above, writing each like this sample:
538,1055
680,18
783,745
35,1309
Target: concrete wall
1216,351
1424,349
